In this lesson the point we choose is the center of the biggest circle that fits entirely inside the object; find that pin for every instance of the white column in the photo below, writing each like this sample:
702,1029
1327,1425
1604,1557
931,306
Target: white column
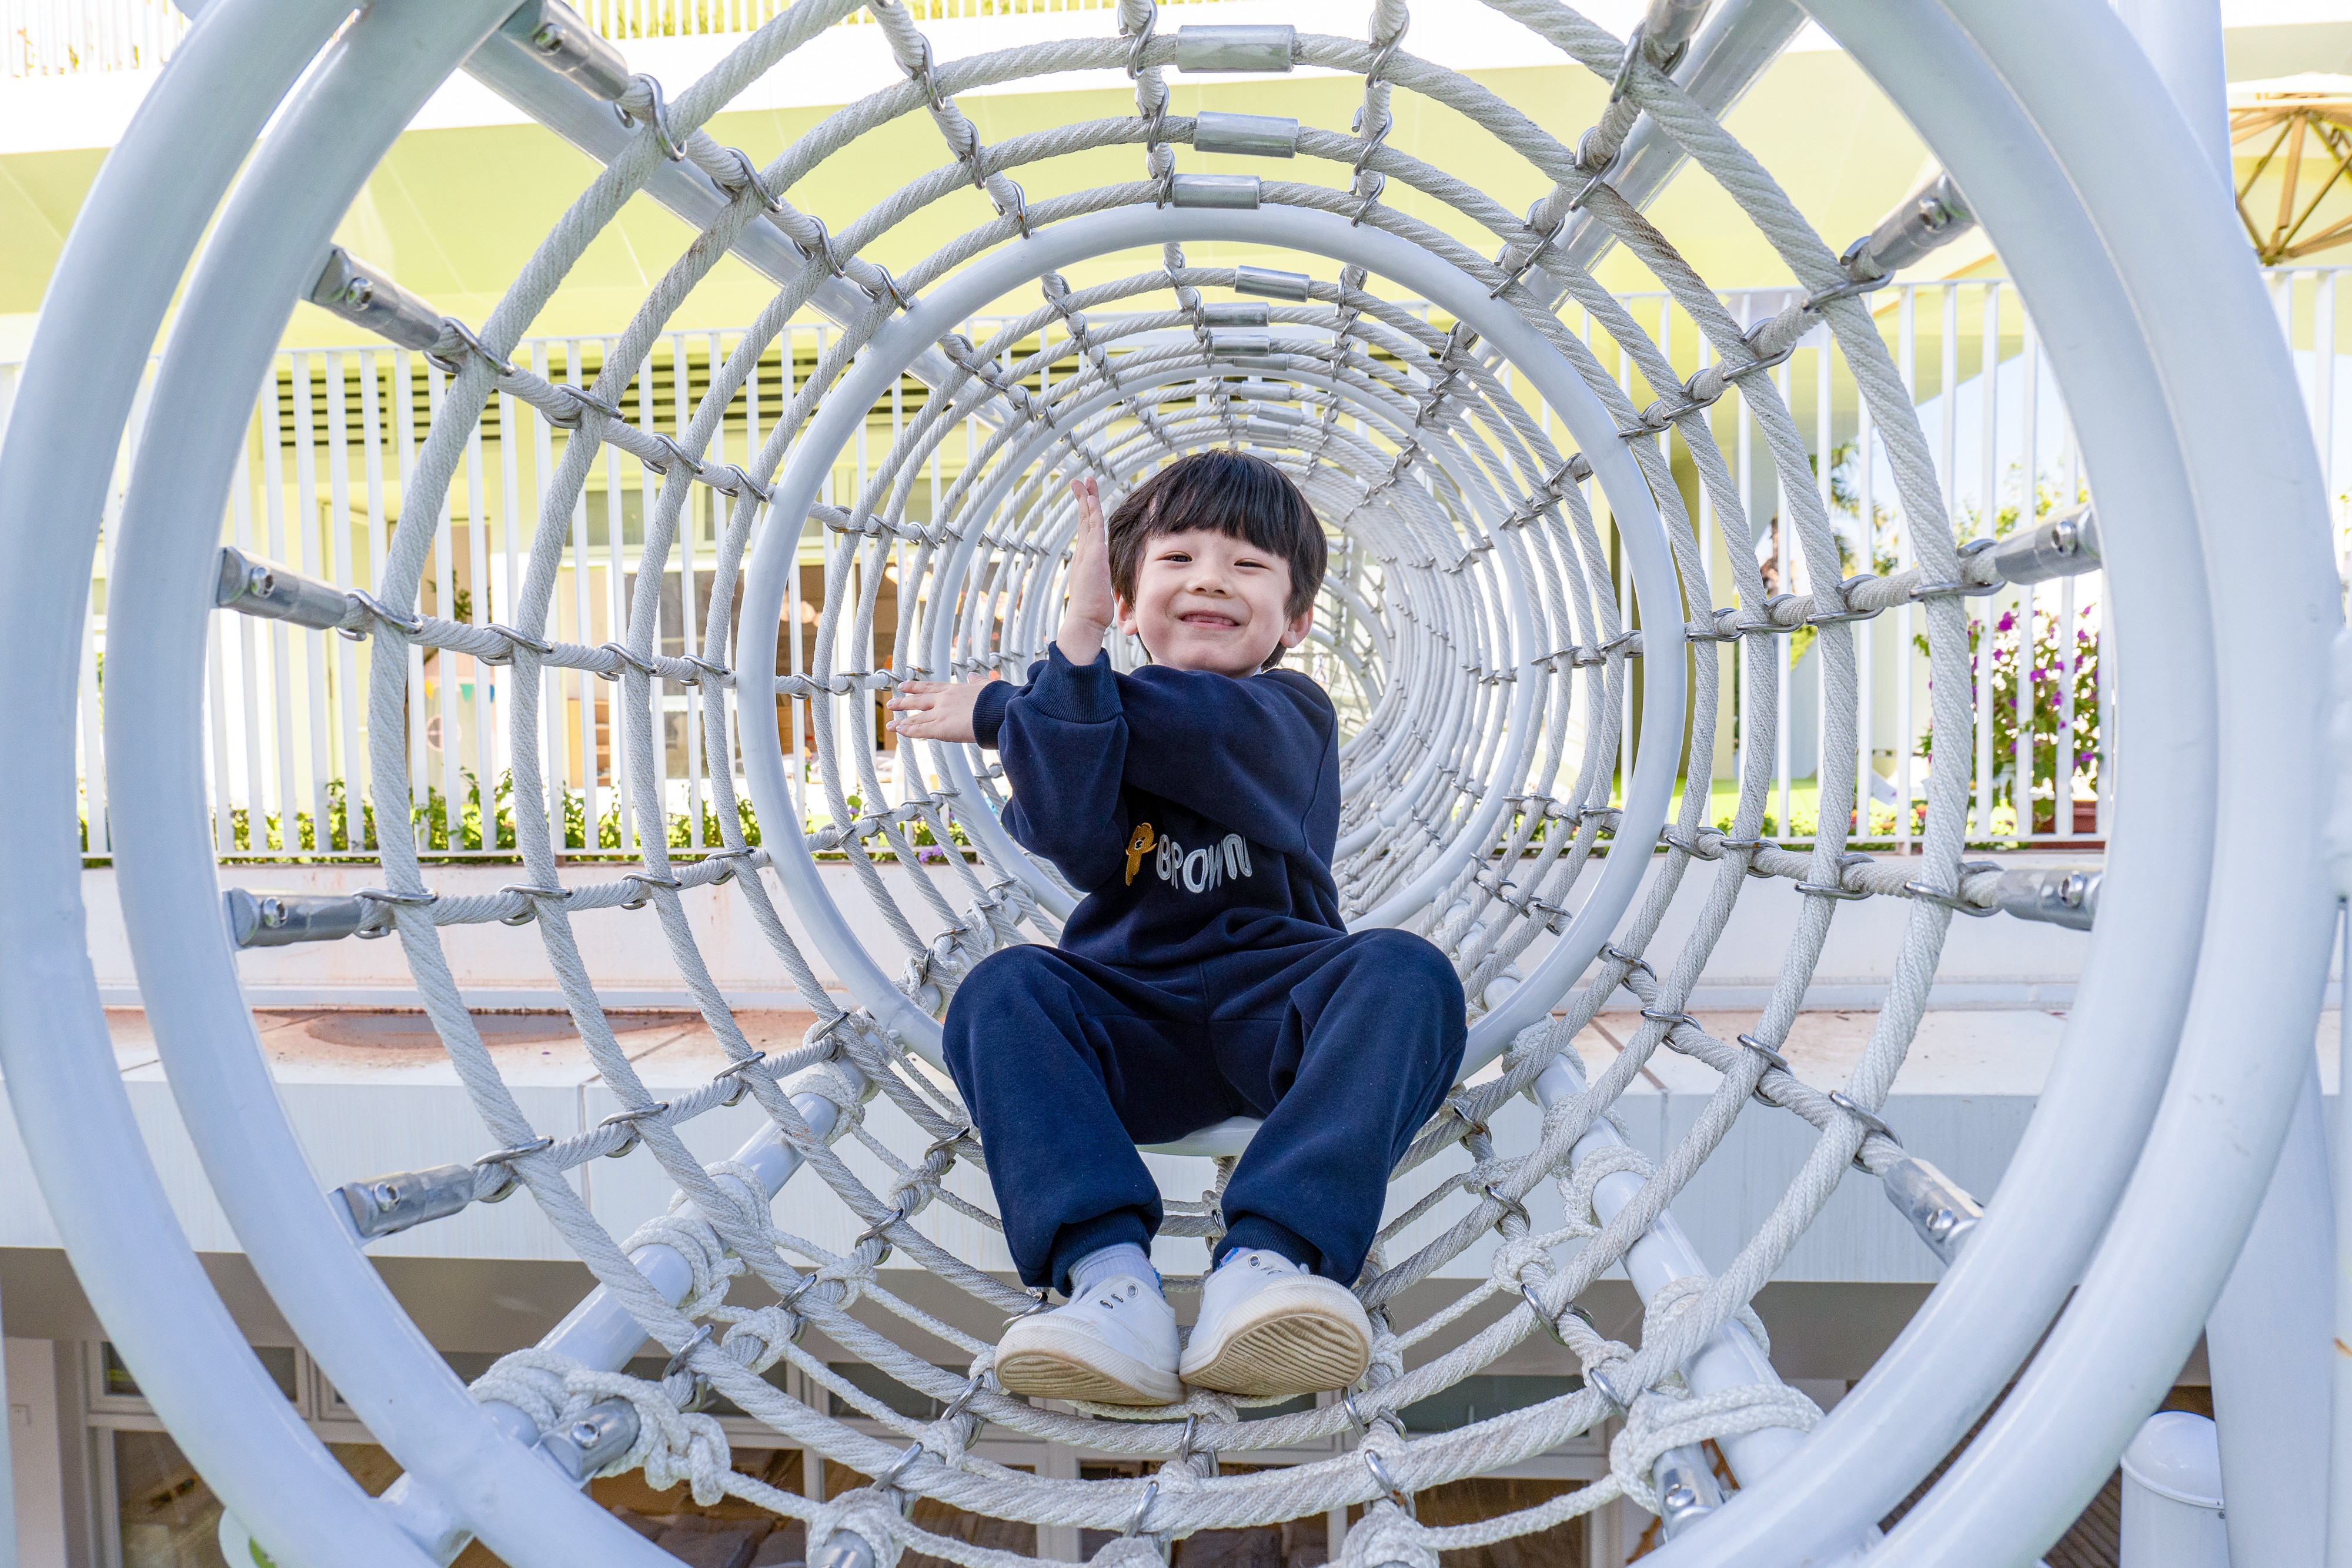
2182,39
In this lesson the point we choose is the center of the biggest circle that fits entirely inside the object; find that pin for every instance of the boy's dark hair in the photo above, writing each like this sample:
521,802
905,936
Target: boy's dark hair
1230,493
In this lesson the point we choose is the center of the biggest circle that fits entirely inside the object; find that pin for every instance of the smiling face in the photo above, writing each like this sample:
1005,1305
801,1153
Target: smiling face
1206,600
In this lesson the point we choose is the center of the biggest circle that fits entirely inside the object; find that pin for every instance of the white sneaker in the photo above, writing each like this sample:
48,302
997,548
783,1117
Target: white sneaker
1269,1327
1115,1344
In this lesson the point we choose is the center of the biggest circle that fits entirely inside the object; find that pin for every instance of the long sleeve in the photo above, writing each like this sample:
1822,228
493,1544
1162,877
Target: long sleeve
1063,740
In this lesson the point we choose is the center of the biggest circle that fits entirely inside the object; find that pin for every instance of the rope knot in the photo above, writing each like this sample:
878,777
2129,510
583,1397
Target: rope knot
1387,1535
1661,1421
1515,1259
1590,1173
869,1513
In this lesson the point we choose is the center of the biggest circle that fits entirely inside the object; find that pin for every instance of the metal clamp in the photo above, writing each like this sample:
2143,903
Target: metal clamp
643,665
700,1337
1847,290
1767,1052
1691,847
1672,1019
659,114
1845,610
515,641
379,610
1870,1123
1143,1509
1598,1381
1952,900
747,178
498,363
583,403
1632,963
530,908
391,899
1384,1416
646,883
1508,1204
1838,889
1759,360
888,1480
740,1071
1961,587
630,1119
874,1233
1396,1494
1143,41
506,1159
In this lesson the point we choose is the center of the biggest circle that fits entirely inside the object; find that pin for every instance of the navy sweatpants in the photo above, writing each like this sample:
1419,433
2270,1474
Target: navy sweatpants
1343,1047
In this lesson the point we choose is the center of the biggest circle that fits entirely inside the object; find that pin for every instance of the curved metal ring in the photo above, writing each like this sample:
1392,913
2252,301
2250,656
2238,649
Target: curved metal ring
506,1158
530,907
1387,1482
1143,1509
1951,901
1869,1121
630,1119
378,610
497,363
659,114
700,1337
1766,1051
1509,1205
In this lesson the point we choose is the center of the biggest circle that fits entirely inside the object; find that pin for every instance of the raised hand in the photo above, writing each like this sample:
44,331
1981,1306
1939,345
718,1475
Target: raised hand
1093,608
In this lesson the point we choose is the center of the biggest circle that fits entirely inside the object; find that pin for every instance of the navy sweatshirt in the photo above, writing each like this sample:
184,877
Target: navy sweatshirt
1196,812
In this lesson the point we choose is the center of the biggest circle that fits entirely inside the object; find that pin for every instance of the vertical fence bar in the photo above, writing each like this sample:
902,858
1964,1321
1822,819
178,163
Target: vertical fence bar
273,480
2029,674
584,728
1987,365
556,775
404,405
1824,454
477,594
688,620
1865,728
508,580
342,652
314,651
372,459
1784,581
249,645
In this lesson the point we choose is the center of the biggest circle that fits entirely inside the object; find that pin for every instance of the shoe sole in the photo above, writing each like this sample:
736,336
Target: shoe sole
1051,1365
1284,1342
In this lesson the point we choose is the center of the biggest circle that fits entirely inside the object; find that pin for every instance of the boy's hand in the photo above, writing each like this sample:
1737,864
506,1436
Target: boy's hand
935,710
1093,608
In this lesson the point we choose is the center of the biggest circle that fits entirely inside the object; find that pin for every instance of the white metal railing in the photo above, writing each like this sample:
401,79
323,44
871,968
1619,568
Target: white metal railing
59,37
334,435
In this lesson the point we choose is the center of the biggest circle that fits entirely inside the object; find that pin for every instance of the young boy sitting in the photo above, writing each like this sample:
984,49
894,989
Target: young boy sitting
1206,975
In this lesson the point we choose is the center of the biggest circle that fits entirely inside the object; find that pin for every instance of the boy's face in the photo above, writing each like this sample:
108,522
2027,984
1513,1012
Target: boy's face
1205,601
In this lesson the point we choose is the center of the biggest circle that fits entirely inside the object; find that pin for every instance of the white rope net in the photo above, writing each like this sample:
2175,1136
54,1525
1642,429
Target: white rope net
1477,629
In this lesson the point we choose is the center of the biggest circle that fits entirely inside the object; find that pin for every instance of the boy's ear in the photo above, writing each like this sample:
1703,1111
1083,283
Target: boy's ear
1300,624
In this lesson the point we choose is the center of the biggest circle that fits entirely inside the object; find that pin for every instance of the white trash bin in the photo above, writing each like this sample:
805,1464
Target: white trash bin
2172,1495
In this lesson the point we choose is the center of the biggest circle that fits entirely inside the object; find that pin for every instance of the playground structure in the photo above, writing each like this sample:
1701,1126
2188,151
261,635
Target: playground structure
1484,634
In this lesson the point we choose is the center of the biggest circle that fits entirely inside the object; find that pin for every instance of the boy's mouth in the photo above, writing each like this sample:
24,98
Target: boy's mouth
1209,621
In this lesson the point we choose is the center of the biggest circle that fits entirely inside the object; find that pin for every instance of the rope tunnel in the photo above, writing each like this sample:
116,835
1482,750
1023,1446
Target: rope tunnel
1523,630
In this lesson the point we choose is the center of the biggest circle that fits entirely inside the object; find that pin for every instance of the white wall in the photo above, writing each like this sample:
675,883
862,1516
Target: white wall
33,1440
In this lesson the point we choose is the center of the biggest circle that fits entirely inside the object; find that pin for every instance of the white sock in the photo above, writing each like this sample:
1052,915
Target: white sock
1110,1263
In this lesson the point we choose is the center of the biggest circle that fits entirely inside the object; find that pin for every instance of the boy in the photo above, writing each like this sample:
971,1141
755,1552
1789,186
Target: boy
1206,975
